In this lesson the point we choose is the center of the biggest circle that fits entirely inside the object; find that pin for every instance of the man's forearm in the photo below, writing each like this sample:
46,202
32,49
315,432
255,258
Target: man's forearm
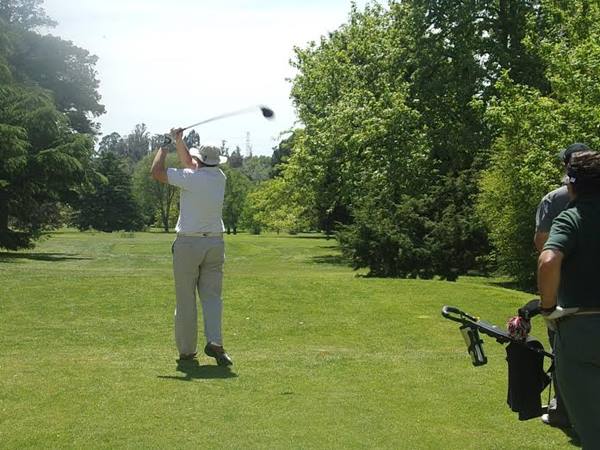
183,152
549,264
158,170
539,239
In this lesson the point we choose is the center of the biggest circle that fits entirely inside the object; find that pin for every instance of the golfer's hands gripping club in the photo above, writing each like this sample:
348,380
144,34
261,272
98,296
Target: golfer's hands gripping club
174,135
177,133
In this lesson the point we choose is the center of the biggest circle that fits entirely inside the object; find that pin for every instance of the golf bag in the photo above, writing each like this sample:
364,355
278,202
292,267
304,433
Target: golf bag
524,354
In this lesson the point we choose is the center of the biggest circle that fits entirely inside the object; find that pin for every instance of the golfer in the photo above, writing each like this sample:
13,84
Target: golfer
550,207
198,250
568,274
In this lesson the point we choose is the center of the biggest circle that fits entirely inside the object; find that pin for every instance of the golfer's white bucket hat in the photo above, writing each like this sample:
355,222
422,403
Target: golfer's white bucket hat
208,154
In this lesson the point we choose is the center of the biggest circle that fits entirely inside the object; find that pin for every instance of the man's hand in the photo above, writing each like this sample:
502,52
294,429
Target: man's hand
177,133
182,150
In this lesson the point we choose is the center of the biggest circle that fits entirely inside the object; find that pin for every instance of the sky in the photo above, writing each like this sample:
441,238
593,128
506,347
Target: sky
173,63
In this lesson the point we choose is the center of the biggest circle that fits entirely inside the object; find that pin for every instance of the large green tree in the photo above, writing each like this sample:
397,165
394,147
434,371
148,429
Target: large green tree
65,70
366,142
281,154
26,14
395,136
44,162
48,94
137,143
113,143
192,139
109,203
235,159
158,200
132,148
256,167
533,125
273,206
237,188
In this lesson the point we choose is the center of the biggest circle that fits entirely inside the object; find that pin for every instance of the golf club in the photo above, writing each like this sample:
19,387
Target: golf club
266,112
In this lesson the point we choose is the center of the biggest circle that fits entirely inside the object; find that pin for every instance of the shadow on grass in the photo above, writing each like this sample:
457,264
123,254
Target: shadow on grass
337,260
51,257
192,370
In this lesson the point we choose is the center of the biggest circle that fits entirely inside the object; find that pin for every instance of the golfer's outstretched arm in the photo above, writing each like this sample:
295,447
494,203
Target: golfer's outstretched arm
158,170
182,150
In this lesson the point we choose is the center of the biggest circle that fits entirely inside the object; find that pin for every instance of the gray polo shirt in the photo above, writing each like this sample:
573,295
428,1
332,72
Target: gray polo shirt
550,207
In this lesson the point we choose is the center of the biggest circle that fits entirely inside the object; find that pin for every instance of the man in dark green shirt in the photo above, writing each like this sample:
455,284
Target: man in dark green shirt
569,276
549,208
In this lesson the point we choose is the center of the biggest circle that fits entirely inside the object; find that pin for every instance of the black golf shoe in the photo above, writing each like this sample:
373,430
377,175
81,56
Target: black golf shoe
219,354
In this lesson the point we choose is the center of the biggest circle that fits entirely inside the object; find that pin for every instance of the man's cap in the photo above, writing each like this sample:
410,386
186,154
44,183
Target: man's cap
587,173
566,153
210,155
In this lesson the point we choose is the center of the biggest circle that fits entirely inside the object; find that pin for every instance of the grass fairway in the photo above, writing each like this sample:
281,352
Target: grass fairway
323,358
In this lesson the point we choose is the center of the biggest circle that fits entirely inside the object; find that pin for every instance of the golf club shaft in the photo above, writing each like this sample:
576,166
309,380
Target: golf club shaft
221,116
266,112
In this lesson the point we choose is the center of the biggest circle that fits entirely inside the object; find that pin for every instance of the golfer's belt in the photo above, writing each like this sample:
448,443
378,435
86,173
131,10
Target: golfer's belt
198,234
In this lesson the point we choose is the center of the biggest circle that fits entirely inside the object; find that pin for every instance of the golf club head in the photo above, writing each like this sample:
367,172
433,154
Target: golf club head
267,113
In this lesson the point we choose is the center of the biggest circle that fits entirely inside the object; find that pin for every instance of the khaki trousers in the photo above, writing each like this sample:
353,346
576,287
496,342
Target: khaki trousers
198,266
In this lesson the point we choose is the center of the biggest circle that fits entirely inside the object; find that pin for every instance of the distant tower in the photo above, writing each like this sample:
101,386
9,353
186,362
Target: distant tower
248,151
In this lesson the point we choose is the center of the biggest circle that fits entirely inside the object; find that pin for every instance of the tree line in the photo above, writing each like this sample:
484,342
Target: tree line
428,133
52,173
431,129
131,200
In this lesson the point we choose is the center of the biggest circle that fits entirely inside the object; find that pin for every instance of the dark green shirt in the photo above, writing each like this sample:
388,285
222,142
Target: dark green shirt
576,233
